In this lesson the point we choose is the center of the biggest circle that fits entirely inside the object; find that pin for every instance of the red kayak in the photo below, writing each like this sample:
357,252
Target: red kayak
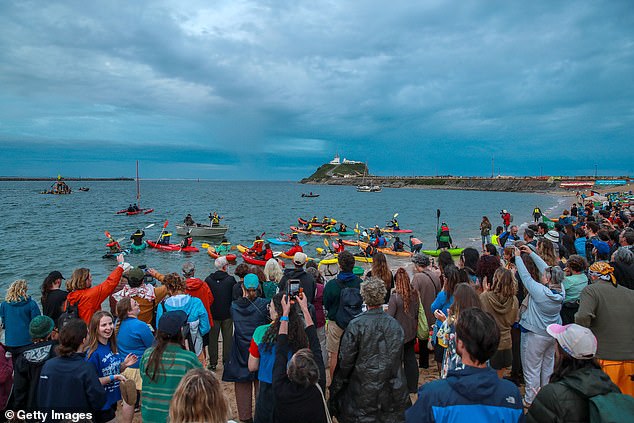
132,213
397,231
303,222
172,247
213,254
252,260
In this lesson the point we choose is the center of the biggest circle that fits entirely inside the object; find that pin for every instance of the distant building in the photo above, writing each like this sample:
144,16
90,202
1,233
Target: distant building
337,160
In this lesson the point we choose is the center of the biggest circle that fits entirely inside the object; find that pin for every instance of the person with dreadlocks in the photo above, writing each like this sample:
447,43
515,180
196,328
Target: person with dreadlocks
262,352
605,307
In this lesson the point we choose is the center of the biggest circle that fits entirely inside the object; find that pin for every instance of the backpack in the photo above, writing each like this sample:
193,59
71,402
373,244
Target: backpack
350,303
610,408
71,312
191,334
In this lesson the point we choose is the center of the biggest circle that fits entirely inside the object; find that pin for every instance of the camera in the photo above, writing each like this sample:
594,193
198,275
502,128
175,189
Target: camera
293,289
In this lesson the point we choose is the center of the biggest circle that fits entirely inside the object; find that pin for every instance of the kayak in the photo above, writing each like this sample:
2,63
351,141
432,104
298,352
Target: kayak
277,241
436,253
213,254
305,222
172,247
252,259
387,251
114,255
302,231
347,233
397,231
350,243
361,259
132,213
137,248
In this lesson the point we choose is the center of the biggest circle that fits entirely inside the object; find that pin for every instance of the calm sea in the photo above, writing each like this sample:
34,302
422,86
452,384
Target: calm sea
42,233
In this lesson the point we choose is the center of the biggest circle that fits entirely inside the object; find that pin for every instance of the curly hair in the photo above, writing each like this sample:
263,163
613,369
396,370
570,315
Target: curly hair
404,288
199,398
373,291
486,267
174,283
297,338
78,279
577,263
17,291
302,369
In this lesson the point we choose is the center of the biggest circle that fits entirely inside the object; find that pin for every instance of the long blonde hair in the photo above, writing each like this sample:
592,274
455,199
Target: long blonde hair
546,250
78,279
273,271
17,291
93,333
199,398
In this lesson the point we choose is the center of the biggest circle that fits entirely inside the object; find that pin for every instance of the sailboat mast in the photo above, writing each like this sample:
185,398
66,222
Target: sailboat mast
138,188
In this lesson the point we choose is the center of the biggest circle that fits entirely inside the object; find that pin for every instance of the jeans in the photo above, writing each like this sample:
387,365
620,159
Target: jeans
538,361
486,239
226,327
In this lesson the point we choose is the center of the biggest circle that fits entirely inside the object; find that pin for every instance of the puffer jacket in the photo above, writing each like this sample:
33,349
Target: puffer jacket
369,384
567,399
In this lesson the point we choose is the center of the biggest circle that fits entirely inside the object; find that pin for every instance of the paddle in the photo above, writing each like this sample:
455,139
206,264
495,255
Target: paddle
327,245
149,226
162,230
205,245
437,224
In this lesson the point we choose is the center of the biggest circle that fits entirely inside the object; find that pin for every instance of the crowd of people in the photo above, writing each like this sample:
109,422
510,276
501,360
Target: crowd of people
542,312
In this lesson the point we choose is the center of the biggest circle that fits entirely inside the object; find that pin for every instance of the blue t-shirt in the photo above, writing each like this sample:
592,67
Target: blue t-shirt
107,363
134,337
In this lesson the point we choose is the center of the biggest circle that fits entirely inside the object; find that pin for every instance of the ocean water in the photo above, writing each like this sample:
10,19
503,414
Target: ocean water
42,233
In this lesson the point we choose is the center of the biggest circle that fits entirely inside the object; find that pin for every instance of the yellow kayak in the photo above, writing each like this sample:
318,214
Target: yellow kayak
361,259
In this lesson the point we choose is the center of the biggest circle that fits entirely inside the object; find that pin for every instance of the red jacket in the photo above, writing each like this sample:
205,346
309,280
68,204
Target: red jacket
257,246
294,249
89,300
199,289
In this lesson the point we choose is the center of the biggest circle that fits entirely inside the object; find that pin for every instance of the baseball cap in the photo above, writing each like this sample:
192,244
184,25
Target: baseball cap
251,281
55,275
221,262
578,341
172,322
300,258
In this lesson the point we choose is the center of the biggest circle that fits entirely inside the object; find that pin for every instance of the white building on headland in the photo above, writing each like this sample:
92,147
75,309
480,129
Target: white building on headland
337,160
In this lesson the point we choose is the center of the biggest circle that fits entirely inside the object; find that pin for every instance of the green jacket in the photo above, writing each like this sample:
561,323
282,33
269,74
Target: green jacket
567,400
332,292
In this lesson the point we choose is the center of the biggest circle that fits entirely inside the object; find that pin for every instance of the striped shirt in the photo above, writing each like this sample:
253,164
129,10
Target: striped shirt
158,393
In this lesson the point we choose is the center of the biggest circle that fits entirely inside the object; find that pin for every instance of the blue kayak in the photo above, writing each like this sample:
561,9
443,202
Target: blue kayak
276,241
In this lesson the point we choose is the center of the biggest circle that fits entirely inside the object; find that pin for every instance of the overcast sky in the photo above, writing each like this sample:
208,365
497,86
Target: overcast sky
272,89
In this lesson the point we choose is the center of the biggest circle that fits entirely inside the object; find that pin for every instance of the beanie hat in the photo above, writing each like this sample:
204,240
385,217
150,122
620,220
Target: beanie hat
41,326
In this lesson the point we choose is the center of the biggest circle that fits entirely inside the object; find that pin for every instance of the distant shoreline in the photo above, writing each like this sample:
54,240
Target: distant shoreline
15,178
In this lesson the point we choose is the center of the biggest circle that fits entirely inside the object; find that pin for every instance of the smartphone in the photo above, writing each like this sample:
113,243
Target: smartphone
292,288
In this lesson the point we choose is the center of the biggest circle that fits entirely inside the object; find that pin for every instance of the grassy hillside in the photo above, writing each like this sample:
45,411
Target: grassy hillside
327,171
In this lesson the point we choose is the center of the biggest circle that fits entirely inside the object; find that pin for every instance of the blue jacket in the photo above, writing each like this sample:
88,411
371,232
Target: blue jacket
191,305
544,304
474,395
16,318
58,390
580,246
134,337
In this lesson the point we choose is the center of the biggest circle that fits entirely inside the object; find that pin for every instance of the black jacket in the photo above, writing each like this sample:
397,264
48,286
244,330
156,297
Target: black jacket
624,274
306,282
369,385
299,403
70,383
27,369
567,400
221,284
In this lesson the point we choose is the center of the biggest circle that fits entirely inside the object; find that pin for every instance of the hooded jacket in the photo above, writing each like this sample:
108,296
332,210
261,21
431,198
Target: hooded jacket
474,395
198,288
16,317
567,399
221,284
504,312
27,371
89,300
369,385
544,304
306,282
191,305
247,315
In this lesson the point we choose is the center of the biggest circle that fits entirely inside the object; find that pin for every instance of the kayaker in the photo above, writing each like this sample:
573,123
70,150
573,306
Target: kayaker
137,237
266,253
338,246
187,241
443,237
113,245
189,221
296,248
135,207
215,219
165,238
393,224
224,247
376,231
342,227
398,245
314,219
130,208
325,220
329,228
257,246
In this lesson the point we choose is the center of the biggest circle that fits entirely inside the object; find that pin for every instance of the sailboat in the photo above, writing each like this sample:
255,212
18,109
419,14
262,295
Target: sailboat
135,209
367,188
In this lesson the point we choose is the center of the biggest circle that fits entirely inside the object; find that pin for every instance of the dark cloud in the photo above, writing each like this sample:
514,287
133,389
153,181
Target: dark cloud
418,87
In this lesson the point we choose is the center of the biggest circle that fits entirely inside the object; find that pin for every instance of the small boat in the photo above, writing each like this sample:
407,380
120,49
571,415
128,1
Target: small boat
132,213
277,241
321,233
84,189
436,253
375,188
397,231
202,230
251,259
310,195
305,222
211,251
359,258
137,209
59,187
172,247
363,188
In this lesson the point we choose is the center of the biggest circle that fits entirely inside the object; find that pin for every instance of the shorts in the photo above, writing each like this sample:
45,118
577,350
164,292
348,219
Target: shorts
439,353
135,375
501,359
333,337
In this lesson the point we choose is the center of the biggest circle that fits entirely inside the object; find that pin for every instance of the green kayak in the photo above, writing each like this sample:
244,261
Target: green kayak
137,248
436,253
347,233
